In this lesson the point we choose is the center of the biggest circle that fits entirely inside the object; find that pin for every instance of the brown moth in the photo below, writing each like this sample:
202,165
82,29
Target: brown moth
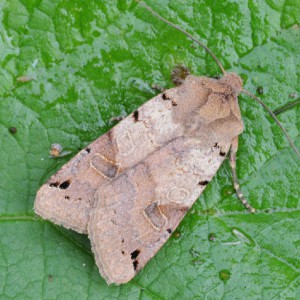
131,187
137,211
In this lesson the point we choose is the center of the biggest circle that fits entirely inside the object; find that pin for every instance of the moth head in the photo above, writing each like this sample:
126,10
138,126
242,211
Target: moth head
234,81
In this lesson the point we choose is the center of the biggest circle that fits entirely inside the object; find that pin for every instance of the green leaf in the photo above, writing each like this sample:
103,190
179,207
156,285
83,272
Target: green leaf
91,60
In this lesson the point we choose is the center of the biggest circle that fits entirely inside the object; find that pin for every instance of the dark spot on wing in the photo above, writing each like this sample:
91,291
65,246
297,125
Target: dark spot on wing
222,153
203,183
165,97
174,103
135,254
88,150
64,185
54,184
169,230
135,264
136,116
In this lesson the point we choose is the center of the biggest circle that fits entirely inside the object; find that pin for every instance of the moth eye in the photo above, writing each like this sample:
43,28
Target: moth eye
169,230
88,150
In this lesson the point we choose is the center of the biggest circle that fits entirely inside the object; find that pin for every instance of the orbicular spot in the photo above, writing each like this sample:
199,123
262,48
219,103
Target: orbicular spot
178,195
104,166
155,216
125,143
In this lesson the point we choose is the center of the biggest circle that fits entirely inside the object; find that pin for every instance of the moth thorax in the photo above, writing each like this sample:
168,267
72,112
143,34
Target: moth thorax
234,81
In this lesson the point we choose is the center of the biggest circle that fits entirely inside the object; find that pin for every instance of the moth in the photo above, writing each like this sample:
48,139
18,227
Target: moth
131,187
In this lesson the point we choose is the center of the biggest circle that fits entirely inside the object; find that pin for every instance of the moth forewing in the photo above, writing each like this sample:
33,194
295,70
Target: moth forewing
68,196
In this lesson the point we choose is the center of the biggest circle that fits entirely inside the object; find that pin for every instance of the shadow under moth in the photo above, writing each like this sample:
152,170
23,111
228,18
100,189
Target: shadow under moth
130,188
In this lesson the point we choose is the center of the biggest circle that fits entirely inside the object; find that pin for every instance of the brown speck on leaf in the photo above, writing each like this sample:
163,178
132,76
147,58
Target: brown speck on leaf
293,95
12,130
260,90
25,78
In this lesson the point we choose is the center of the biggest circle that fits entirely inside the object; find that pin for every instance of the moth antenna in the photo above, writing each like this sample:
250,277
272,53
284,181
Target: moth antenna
286,107
223,71
184,32
275,119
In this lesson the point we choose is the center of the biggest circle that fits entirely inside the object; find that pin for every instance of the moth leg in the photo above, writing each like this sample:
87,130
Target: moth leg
117,118
157,88
179,73
232,160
